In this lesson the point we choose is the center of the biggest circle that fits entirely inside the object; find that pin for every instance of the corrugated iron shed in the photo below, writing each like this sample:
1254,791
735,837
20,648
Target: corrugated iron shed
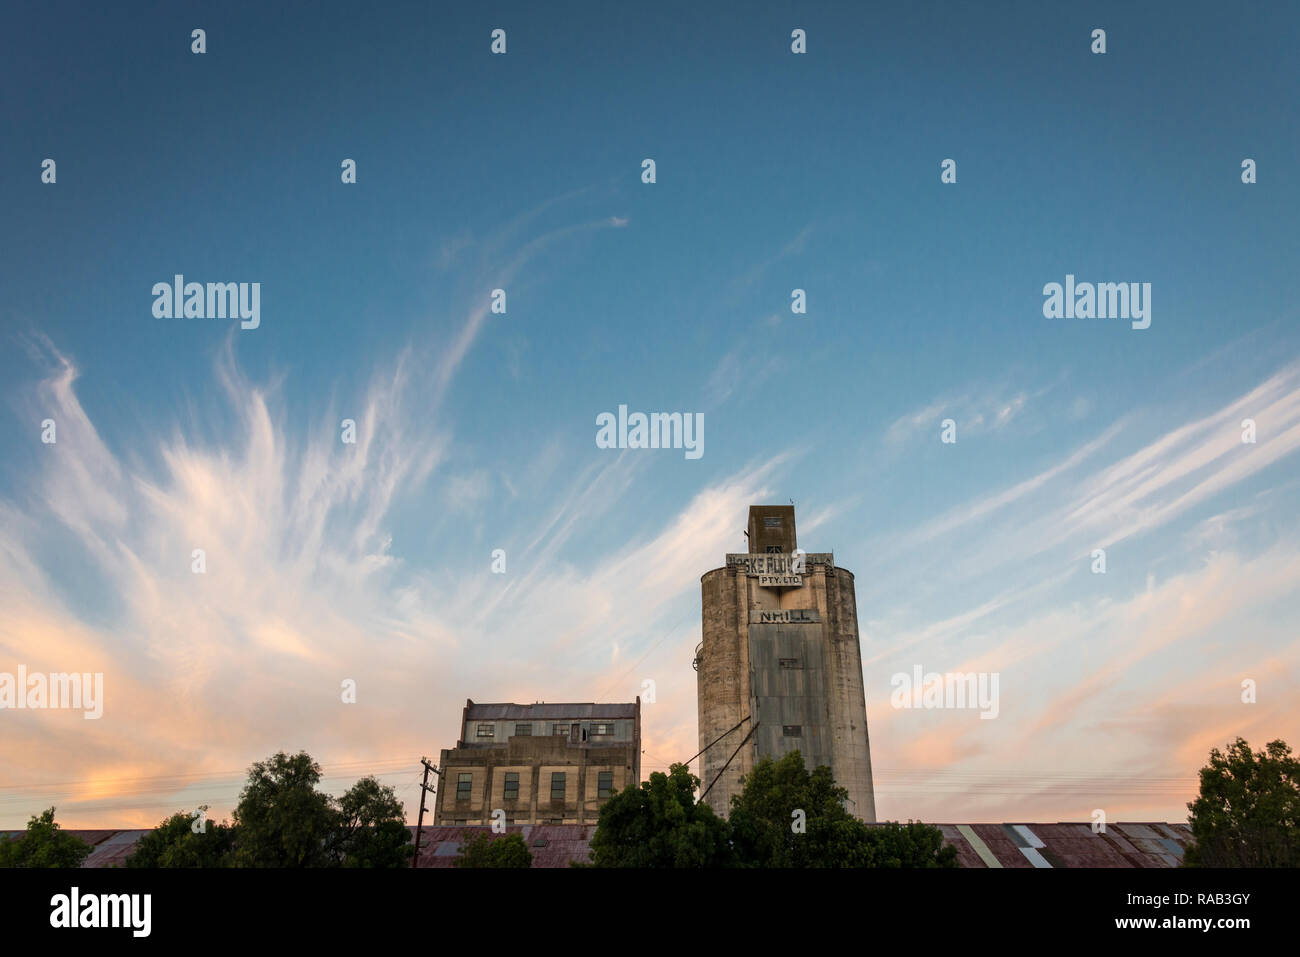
1068,845
114,850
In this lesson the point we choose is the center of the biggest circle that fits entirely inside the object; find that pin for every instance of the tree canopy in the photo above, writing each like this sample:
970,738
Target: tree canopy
1248,810
660,824
486,850
282,820
785,816
371,828
185,840
43,845
788,816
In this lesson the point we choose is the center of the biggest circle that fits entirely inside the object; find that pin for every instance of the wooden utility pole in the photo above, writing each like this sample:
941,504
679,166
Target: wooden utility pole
419,824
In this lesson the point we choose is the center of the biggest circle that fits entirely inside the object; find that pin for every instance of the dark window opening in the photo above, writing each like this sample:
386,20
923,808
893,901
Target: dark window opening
512,786
791,664
557,785
463,782
524,730
792,730
605,783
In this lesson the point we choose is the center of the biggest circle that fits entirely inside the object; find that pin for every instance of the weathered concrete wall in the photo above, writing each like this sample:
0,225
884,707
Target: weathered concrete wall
828,698
722,682
534,759
790,682
851,751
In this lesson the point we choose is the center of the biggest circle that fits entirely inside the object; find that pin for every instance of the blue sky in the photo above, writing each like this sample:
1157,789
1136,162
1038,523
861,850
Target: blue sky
774,171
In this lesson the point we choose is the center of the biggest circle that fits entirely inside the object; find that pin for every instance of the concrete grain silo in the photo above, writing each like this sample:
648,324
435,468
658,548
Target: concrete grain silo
780,648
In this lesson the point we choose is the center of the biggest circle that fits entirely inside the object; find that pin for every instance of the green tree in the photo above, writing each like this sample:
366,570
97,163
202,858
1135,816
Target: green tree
660,824
891,844
485,850
44,845
787,816
281,819
175,843
1248,811
371,829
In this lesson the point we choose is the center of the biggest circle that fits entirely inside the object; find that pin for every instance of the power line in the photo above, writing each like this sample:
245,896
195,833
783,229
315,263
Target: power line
111,805
635,664
232,774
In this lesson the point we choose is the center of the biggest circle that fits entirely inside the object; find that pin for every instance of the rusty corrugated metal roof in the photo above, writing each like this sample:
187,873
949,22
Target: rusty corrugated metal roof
552,845
115,849
1068,845
544,712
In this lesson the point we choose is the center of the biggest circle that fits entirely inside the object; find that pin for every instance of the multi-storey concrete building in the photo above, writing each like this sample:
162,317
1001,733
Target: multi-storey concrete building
780,658
539,763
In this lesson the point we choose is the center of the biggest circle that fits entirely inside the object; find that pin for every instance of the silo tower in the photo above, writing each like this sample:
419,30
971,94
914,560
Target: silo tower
780,668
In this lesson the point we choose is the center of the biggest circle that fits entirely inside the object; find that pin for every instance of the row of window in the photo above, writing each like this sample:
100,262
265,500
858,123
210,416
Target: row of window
604,785
523,820
487,730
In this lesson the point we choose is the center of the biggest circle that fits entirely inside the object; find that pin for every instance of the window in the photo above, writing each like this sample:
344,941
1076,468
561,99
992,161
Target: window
774,549
792,730
791,664
560,729
463,782
486,731
557,785
771,521
605,780
523,730
512,786
602,729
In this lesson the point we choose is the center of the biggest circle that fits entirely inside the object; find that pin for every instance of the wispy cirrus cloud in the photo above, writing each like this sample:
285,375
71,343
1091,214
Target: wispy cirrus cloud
974,412
305,588
301,590
795,246
1186,613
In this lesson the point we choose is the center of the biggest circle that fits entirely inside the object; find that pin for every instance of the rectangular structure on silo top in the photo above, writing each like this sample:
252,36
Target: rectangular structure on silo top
780,657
